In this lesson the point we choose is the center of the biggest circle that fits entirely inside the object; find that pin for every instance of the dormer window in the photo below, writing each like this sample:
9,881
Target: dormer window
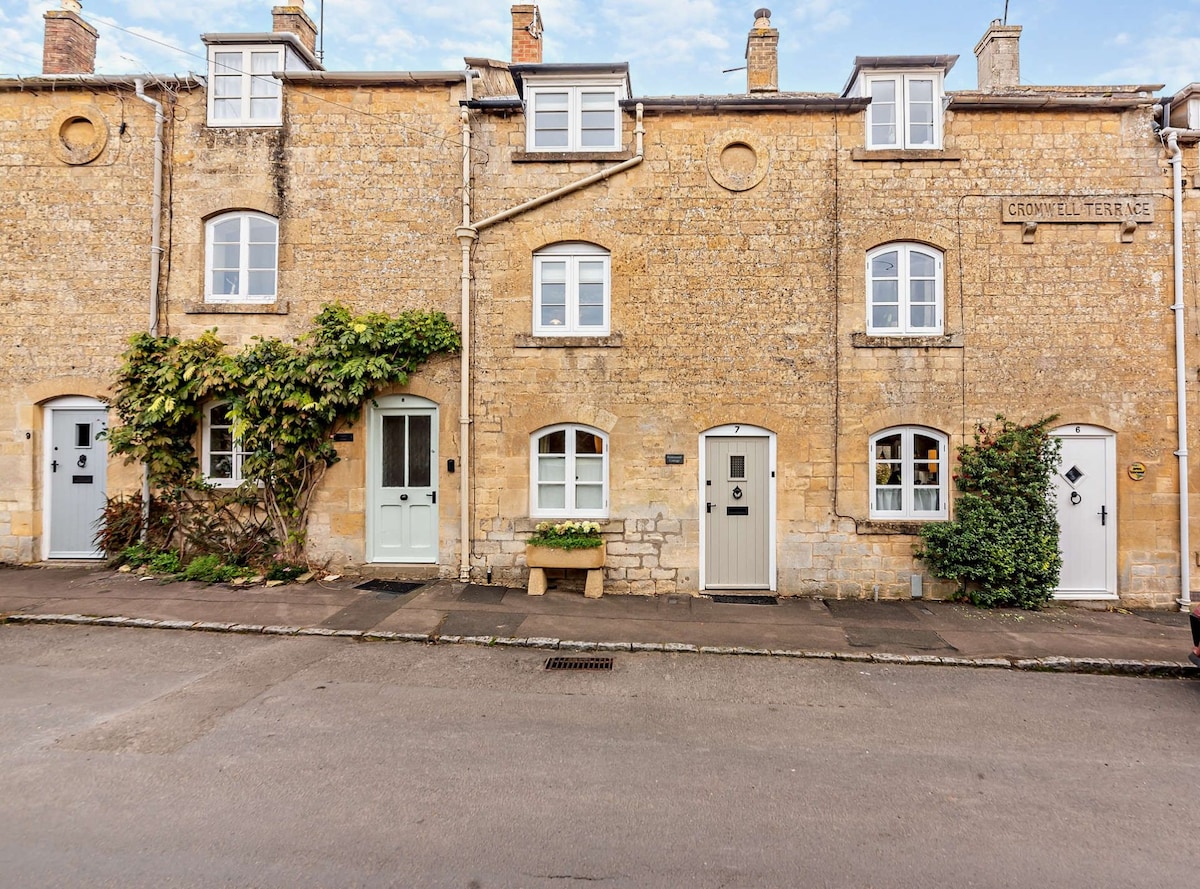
907,99
572,108
905,110
241,90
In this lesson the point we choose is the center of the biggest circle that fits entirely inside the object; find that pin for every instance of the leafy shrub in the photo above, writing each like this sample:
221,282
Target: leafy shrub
210,569
137,555
285,571
119,525
164,563
1002,546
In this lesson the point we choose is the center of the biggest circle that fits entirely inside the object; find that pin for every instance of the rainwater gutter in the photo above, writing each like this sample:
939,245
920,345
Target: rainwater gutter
468,234
155,256
1176,161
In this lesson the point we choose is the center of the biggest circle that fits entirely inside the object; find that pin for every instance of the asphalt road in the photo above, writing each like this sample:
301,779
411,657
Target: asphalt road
139,758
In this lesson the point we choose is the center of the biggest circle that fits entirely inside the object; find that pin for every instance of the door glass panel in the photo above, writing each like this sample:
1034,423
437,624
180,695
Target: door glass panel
420,441
393,452
83,435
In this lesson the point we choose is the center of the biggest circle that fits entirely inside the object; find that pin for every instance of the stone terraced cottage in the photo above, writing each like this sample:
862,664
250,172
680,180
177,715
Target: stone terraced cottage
746,333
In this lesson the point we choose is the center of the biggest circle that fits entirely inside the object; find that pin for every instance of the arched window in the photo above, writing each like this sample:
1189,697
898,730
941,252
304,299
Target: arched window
241,258
904,290
569,473
571,285
222,453
908,474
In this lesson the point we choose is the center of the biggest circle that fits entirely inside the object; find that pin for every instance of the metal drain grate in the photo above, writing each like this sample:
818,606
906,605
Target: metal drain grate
745,600
396,587
579,663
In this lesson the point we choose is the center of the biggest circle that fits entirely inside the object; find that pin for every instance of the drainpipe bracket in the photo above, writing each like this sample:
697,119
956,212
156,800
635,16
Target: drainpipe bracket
466,233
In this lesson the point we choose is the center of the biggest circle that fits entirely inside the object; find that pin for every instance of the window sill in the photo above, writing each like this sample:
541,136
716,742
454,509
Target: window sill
244,125
911,527
275,308
861,340
551,157
529,525
904,154
526,341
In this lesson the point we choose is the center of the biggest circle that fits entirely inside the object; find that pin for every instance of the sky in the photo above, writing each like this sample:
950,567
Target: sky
673,47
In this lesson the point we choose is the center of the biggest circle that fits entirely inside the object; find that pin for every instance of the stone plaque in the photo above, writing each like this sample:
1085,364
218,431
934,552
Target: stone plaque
1074,208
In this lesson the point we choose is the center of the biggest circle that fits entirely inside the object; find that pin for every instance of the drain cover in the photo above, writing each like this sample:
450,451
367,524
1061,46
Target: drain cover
579,663
399,587
745,600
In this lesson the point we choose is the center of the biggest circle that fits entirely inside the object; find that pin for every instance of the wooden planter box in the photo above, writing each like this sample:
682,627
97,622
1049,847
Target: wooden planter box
539,558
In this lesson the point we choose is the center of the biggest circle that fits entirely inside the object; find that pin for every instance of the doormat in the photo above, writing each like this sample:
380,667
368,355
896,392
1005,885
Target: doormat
745,600
395,587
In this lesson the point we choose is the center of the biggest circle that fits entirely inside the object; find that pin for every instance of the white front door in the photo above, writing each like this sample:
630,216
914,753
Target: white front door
1086,498
403,480
77,475
737,500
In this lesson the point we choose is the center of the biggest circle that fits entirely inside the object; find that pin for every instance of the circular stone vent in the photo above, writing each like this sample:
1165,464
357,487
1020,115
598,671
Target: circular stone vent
79,134
737,160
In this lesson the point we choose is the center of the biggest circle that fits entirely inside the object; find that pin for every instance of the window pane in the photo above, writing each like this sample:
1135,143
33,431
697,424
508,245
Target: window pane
553,272
218,415
552,497
921,113
927,500
220,466
552,469
882,91
420,446
553,443
591,316
885,292
888,499
920,91
591,272
225,283
921,265
227,109
226,256
265,88
598,137
226,87
550,102
264,109
883,135
262,231
550,138
922,316
920,134
588,443
922,292
885,265
262,256
393,452
83,435
227,231
220,440
261,283
888,447
227,62
589,497
589,469
885,317
554,316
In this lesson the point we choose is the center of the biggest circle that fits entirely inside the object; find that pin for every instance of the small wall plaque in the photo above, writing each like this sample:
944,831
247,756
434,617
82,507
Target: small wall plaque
343,436
674,459
1137,471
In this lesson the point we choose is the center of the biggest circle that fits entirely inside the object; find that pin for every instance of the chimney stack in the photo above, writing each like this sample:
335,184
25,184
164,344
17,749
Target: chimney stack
999,57
762,55
70,43
526,35
291,19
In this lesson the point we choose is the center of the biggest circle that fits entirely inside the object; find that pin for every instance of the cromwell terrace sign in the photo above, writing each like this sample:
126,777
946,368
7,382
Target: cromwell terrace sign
1072,208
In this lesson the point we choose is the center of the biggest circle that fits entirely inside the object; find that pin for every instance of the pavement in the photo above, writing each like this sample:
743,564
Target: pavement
1062,637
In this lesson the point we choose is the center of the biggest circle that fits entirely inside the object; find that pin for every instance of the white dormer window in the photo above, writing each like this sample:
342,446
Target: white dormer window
241,90
905,109
561,116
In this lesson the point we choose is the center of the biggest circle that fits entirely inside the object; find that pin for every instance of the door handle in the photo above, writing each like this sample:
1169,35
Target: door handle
433,494
710,506
403,496
54,468
1103,513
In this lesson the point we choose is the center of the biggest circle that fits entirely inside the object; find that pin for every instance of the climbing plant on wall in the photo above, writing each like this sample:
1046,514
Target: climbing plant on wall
1002,546
286,399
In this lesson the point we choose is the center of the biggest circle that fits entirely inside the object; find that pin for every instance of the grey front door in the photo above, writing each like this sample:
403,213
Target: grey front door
737,520
77,480
404,481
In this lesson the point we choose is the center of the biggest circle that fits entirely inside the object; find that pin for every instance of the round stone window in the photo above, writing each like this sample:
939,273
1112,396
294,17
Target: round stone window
78,134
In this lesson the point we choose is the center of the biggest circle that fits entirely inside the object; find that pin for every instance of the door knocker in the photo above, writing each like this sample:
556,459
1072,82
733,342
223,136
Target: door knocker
1075,498
737,493
82,461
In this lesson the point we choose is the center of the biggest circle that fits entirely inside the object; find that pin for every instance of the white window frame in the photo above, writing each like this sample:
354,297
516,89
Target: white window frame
243,271
575,92
572,254
250,81
570,477
910,461
237,454
903,81
904,280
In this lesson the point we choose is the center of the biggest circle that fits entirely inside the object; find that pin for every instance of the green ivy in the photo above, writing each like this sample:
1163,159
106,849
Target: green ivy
286,401
1002,546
